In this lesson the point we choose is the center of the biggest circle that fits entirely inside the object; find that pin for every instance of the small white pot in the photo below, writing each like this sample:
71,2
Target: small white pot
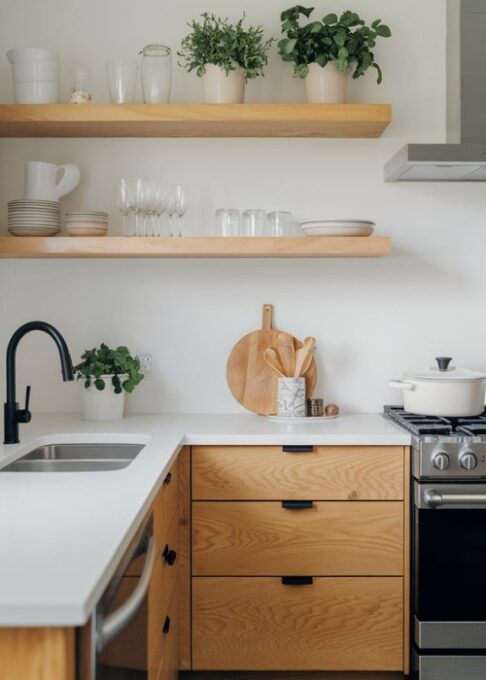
442,391
291,397
220,87
326,84
103,404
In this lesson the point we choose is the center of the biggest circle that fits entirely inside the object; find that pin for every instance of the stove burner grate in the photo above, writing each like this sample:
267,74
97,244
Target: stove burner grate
436,425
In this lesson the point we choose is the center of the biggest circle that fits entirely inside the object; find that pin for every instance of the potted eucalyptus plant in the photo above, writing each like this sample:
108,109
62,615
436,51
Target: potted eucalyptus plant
326,52
107,375
225,56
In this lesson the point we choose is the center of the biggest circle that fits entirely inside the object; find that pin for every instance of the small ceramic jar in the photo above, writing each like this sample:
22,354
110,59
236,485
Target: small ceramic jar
291,397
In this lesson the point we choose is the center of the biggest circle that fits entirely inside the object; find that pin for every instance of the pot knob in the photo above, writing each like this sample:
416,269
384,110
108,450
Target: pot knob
468,460
440,461
443,362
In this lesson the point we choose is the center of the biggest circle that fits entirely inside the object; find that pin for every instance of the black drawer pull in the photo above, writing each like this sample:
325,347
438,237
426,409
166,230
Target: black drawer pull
297,580
166,626
168,479
297,505
300,448
169,555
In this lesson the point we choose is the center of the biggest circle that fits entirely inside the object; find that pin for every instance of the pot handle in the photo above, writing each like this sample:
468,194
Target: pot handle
400,385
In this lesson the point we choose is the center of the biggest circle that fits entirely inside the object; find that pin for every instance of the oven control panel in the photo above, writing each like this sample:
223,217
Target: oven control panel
449,459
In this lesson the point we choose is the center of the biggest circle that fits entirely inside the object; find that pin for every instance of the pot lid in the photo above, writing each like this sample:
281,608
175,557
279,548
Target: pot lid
444,372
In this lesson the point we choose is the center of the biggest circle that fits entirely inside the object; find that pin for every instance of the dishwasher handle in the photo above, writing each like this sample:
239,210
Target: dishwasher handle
109,627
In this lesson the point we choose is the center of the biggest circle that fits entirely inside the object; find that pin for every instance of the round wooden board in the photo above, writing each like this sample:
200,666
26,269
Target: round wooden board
251,381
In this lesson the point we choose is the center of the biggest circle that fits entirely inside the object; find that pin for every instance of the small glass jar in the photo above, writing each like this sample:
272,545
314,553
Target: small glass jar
80,90
254,222
156,72
228,222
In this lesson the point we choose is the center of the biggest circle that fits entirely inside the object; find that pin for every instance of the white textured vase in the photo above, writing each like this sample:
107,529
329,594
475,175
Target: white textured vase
220,87
103,404
326,84
291,397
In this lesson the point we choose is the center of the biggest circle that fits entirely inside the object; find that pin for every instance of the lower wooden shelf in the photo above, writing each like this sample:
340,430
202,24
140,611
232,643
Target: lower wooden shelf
200,247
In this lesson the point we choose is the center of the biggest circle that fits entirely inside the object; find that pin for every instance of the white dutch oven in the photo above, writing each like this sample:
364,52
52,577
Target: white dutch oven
442,390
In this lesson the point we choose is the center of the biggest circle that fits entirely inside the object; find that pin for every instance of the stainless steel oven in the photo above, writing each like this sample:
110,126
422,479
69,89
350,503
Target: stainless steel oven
449,580
113,644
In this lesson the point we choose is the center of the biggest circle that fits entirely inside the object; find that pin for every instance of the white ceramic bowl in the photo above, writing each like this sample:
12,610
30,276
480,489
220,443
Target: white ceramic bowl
46,70
29,54
39,92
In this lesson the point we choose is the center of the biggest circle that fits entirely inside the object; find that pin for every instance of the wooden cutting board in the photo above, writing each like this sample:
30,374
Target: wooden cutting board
252,383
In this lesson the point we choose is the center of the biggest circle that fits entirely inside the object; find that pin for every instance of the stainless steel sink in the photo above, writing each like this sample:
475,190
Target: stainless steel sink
76,458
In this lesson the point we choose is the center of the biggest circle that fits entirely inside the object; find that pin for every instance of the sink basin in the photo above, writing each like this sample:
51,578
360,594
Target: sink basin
76,458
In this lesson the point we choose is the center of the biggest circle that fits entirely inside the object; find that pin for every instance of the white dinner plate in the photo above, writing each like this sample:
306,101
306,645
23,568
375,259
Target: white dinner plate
338,230
44,231
302,420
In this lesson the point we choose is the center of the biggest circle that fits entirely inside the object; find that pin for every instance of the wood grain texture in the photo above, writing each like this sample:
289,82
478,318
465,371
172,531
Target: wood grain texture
197,247
251,381
168,655
290,675
328,473
194,120
37,654
264,539
333,624
406,560
185,557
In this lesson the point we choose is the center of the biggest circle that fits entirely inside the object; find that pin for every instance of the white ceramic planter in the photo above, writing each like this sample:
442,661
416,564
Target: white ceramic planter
220,87
326,85
103,404
291,397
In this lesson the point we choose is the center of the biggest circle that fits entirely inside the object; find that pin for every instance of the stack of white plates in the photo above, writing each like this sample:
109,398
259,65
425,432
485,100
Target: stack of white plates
28,217
87,223
338,228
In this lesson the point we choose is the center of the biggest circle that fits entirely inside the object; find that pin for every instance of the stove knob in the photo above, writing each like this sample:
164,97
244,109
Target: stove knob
440,461
468,460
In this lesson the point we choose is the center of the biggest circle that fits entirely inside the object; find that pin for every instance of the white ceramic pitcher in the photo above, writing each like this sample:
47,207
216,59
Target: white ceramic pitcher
42,180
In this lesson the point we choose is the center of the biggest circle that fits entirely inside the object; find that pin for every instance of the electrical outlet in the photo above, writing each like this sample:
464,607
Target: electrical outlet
145,359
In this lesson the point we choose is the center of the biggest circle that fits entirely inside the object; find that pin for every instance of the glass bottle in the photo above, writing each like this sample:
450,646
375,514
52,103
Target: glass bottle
156,71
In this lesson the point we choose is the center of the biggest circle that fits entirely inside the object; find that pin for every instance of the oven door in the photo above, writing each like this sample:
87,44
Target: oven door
449,587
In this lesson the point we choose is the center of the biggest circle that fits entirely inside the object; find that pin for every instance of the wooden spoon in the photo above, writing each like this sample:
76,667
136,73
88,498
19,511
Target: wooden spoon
272,359
307,363
286,353
302,354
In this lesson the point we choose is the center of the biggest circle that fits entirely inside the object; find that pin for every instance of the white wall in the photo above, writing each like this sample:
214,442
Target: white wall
371,318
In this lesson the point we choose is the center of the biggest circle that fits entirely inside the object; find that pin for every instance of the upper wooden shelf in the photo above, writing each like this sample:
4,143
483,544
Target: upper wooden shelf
201,247
194,120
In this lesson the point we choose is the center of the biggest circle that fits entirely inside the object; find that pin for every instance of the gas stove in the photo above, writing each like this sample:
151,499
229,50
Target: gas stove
444,448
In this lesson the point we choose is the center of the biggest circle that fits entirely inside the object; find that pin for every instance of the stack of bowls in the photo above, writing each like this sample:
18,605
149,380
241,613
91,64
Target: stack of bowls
35,75
28,217
87,223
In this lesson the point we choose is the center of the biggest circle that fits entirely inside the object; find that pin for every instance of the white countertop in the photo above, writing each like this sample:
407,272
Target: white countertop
62,534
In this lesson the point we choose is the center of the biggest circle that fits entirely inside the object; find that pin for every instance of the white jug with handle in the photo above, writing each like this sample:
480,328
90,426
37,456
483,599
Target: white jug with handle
42,181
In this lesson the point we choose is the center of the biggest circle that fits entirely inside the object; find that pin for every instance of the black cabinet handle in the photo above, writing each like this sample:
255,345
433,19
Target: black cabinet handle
300,448
166,626
297,580
169,555
168,479
297,505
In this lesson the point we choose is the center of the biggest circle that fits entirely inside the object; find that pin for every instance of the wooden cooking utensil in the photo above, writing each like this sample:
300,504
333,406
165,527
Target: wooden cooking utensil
251,381
301,356
286,352
273,360
307,362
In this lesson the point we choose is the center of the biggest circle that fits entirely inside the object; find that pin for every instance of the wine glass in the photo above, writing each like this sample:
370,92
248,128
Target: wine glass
171,211
179,193
123,201
160,199
141,194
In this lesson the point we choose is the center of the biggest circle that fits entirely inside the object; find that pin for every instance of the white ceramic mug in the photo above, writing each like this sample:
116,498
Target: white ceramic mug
42,181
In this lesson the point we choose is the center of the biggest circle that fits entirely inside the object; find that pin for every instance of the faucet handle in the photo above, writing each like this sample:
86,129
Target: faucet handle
24,415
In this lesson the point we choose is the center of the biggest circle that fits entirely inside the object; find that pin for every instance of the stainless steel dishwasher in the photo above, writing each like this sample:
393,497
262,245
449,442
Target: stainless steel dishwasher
113,644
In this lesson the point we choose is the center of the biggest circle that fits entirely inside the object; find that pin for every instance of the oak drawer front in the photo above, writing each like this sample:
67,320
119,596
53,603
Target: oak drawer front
333,624
325,473
266,539
164,644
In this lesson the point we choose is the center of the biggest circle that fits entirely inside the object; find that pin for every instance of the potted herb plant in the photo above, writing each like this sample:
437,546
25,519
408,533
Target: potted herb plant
107,375
326,52
225,56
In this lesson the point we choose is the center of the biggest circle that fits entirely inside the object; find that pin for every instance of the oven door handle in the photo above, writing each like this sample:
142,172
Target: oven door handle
109,627
434,499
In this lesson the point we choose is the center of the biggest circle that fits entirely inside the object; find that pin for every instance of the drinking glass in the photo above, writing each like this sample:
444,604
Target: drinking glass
254,222
160,203
124,203
156,74
279,223
228,222
122,78
171,211
179,197
142,205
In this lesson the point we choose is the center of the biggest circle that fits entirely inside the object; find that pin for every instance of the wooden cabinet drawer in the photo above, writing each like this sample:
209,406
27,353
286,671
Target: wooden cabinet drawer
334,624
164,647
265,539
325,473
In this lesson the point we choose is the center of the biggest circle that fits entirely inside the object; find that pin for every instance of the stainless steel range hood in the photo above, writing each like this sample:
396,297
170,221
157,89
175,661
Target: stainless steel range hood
463,157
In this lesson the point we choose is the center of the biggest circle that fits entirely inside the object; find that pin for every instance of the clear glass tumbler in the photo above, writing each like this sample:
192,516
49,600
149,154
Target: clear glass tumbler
156,73
228,222
279,223
254,222
122,80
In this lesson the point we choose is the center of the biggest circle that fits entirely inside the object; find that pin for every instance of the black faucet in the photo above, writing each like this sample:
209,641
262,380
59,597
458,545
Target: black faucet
12,414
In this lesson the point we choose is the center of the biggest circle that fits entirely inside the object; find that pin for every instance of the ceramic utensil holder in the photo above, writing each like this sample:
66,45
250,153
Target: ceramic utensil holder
291,397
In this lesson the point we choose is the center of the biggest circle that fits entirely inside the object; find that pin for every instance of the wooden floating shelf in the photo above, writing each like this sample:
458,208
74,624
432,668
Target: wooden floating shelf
202,247
194,120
